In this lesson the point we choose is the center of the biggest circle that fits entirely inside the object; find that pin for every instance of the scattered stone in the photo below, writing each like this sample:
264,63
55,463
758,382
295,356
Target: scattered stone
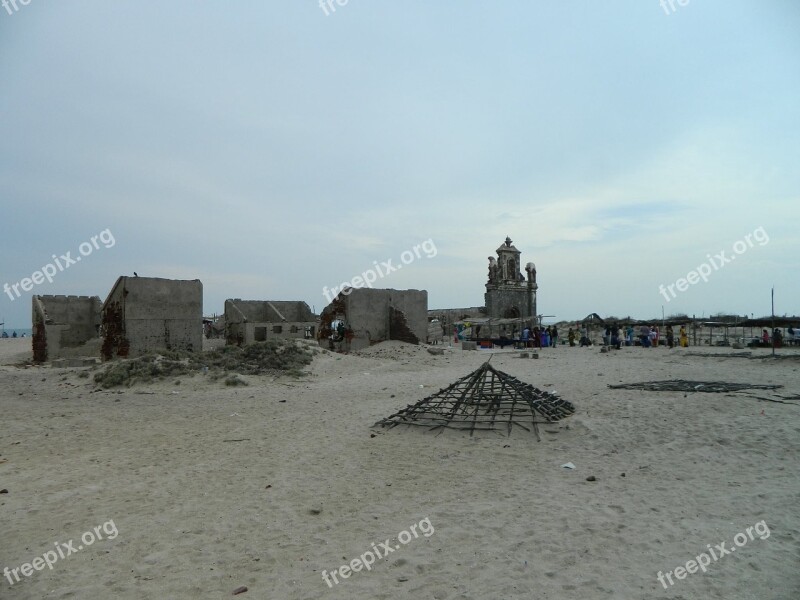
3,491
534,355
591,478
240,590
314,511
622,475
436,351
524,354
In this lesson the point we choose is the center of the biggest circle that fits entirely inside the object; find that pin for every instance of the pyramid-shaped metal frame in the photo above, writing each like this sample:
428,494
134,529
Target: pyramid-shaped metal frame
486,399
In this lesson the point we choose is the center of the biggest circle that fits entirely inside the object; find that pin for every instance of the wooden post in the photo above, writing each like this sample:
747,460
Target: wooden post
773,321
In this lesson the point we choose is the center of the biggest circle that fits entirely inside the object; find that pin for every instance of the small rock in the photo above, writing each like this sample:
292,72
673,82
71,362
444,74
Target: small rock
240,590
591,478
314,511
622,475
435,351
3,491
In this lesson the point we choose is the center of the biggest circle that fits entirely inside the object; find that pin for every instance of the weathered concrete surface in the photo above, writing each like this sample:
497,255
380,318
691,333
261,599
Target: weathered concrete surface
375,315
60,322
248,321
143,314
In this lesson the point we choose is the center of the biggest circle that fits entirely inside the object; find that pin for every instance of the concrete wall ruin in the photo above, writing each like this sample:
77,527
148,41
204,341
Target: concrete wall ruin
375,315
61,322
144,314
248,321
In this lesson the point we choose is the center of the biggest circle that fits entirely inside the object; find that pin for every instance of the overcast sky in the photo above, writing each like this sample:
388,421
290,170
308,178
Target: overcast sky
270,149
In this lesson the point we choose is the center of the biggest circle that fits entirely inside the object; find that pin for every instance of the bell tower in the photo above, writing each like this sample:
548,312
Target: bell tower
509,294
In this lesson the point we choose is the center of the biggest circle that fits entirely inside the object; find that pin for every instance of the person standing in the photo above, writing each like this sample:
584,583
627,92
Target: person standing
670,337
585,337
554,336
571,337
644,335
683,337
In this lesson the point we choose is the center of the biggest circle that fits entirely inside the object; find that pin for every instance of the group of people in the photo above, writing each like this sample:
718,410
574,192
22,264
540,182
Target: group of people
540,337
614,335
13,335
777,337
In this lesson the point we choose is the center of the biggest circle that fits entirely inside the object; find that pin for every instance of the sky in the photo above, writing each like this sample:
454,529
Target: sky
276,149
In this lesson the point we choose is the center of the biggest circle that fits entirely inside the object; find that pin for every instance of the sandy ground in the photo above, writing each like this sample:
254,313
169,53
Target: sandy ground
211,488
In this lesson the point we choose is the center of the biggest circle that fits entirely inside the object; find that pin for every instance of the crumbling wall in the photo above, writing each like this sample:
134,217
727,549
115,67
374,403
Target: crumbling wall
114,341
61,322
146,314
398,327
376,315
249,321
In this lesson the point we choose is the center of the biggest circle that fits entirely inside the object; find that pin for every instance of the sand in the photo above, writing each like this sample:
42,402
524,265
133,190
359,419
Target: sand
211,488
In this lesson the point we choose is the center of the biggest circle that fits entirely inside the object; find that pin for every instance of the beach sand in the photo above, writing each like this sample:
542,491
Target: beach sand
211,488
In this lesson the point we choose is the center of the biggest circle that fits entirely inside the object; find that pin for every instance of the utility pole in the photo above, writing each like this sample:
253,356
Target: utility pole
773,321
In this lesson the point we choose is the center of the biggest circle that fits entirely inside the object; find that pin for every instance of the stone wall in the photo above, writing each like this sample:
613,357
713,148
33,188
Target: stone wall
376,315
61,322
248,321
144,314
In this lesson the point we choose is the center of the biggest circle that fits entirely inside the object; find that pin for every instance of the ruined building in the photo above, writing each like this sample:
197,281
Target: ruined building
248,321
144,314
372,315
61,322
509,294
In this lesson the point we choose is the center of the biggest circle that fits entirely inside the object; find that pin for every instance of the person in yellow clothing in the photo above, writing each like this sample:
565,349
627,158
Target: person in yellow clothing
684,338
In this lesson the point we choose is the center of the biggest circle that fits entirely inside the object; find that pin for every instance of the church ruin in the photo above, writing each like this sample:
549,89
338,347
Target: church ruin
509,294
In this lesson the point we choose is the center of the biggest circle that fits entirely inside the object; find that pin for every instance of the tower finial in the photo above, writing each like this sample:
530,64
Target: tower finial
508,241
